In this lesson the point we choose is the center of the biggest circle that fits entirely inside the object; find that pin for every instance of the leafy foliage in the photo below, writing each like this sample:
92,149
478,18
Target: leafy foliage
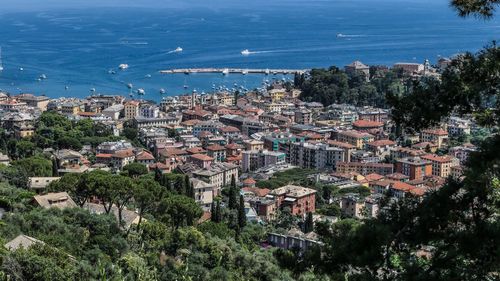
335,86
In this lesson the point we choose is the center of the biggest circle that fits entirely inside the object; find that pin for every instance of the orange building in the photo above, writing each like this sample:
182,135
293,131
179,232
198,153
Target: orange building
300,200
367,125
441,165
414,167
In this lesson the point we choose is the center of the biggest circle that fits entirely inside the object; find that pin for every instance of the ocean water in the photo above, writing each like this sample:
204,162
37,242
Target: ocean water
75,48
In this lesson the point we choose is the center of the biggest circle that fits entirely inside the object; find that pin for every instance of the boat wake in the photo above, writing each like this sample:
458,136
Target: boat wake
340,35
247,52
134,43
177,50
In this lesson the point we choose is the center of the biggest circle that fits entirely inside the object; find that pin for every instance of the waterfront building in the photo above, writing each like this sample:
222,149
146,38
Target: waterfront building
114,112
131,109
39,102
149,111
410,68
358,67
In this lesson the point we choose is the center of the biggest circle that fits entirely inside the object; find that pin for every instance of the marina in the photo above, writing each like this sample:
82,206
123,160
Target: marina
233,70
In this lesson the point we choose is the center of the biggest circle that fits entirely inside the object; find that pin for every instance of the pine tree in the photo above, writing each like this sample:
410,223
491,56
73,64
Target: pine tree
242,218
308,223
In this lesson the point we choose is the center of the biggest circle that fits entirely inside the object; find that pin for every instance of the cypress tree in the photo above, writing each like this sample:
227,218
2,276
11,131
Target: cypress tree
218,213
233,193
213,215
233,181
187,185
55,167
180,185
190,191
242,218
167,183
158,175
309,223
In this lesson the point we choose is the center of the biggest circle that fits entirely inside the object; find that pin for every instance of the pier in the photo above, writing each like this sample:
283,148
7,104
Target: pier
233,70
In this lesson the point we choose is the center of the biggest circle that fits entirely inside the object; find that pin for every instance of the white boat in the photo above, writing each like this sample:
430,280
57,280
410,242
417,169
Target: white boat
266,71
225,71
244,72
130,86
1,65
123,66
92,89
21,69
43,76
340,35
245,52
178,50
162,91
111,71
148,76
141,91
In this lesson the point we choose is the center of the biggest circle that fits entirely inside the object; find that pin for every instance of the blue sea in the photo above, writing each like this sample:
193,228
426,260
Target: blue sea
76,47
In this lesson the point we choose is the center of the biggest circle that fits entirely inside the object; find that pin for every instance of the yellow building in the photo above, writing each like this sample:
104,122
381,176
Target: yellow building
277,95
358,139
253,144
131,109
71,108
226,99
275,107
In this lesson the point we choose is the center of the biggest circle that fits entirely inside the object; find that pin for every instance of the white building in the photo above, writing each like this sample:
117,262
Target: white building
254,159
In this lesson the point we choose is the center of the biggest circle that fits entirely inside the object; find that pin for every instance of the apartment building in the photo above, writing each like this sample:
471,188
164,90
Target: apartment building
365,168
441,165
299,199
358,139
131,109
315,155
414,167
255,159
437,136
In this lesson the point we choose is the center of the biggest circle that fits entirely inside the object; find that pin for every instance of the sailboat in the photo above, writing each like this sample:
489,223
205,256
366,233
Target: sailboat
1,65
